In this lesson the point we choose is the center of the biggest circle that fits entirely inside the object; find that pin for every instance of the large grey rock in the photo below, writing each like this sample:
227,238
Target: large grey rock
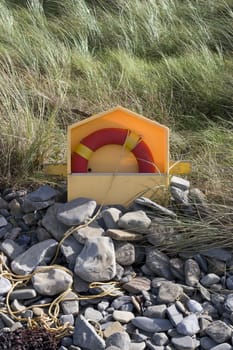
146,202
91,231
42,194
125,253
152,324
85,335
11,249
29,206
70,248
174,315
39,254
159,233
111,217
3,221
158,263
137,285
185,343
192,272
219,331
135,220
76,212
52,282
180,183
207,343
189,325
5,286
209,279
218,253
52,225
169,292
156,311
96,262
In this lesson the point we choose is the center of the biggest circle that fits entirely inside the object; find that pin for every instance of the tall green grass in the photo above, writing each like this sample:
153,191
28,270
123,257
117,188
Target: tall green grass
169,60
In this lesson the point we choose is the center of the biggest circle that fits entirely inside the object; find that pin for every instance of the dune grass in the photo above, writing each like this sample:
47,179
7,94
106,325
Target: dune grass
169,60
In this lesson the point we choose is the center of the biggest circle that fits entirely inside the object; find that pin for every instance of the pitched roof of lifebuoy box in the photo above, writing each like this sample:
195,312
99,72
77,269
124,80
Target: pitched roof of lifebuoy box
154,134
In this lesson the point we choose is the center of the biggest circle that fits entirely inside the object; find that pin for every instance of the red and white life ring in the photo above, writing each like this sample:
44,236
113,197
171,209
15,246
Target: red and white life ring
108,136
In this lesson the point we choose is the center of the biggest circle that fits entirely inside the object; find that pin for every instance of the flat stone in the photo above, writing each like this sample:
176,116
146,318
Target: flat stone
189,325
135,220
180,183
52,225
219,331
120,339
111,217
52,282
152,324
5,286
169,292
91,231
125,253
11,249
180,196
70,248
194,306
158,263
137,284
39,254
184,343
137,346
85,335
174,315
96,262
120,235
122,316
70,307
23,294
29,206
207,343
76,212
146,202
93,314
3,221
209,279
156,311
43,193
192,272
112,328
67,319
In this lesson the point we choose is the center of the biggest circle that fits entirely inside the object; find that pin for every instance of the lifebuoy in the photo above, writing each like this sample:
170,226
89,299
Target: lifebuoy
117,136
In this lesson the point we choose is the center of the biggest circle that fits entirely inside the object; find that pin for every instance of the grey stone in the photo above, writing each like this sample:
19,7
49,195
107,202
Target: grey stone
146,202
29,206
111,217
184,343
159,233
67,319
135,220
3,203
80,286
216,266
125,253
122,316
120,235
91,231
174,315
180,196
204,292
169,292
85,335
76,212
70,248
121,300
224,346
152,324
159,339
5,286
52,225
11,248
192,272
228,304
156,311
42,194
177,268
218,253
39,254
137,284
158,263
93,314
194,306
3,221
120,340
6,319
229,282
219,331
180,183
207,343
52,281
209,279
15,209
42,234
70,304
23,294
96,262
189,325
137,346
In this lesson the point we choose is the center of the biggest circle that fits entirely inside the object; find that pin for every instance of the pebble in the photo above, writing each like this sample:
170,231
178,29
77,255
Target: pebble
111,217
158,263
184,343
169,292
137,285
136,220
5,286
123,316
119,339
219,331
85,335
151,324
189,325
192,272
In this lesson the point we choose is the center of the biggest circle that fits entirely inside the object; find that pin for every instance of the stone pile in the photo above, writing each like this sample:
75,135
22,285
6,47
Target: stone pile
159,302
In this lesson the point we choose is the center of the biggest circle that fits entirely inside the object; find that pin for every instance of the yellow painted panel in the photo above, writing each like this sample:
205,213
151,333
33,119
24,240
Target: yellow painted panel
55,169
116,188
180,167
